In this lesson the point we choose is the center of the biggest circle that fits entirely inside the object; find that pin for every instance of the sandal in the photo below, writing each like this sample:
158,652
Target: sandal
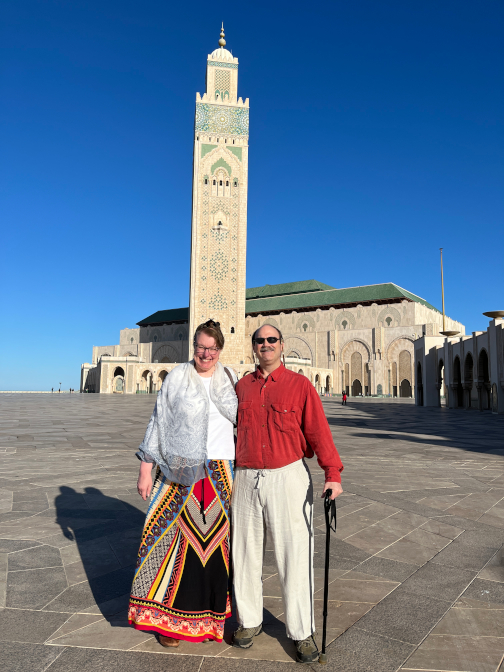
168,641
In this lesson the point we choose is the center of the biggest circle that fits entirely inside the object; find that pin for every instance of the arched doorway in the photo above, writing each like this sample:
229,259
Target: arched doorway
379,390
468,379
328,385
483,382
317,383
301,372
356,371
162,375
457,382
405,388
118,382
405,373
146,382
419,384
356,388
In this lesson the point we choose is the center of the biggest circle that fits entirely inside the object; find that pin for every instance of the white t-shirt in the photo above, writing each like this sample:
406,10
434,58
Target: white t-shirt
220,442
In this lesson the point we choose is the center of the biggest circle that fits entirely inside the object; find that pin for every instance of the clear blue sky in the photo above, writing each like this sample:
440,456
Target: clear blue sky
376,137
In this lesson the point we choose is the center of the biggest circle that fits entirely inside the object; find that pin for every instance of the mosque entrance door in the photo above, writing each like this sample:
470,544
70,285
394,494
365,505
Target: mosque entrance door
405,390
356,388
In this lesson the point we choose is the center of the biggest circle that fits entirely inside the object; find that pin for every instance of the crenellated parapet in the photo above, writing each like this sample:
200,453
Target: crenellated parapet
206,98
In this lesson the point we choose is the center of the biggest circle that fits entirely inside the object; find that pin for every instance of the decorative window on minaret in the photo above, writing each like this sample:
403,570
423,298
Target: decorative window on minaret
222,84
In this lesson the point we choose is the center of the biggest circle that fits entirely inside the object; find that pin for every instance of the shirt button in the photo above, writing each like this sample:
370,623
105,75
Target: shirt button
263,405
263,425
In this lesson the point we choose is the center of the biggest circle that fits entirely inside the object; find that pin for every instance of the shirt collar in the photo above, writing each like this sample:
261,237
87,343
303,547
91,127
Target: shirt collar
274,375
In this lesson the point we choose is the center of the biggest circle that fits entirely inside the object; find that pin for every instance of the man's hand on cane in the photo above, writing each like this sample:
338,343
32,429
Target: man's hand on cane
335,487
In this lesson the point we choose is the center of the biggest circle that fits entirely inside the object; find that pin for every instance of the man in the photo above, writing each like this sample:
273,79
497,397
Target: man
280,421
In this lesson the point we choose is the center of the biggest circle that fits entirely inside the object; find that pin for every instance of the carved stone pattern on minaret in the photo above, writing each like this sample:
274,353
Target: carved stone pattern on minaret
222,119
222,84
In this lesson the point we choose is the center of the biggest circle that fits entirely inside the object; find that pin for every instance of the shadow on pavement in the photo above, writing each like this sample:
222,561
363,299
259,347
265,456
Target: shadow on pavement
442,427
107,532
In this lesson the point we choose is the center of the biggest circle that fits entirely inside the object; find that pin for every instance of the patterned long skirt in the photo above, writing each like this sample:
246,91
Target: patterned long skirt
181,587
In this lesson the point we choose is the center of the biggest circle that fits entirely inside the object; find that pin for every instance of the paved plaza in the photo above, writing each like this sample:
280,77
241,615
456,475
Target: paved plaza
417,572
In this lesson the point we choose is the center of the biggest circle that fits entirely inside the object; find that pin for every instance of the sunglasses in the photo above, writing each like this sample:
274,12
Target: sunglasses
271,339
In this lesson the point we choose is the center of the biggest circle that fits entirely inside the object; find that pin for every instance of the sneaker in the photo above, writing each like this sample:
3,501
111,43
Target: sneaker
307,650
243,637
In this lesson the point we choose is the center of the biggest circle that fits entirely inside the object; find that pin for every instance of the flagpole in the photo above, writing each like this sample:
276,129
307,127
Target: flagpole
444,332
442,287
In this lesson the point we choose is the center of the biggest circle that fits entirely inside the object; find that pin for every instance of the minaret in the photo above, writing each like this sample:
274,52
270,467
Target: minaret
219,207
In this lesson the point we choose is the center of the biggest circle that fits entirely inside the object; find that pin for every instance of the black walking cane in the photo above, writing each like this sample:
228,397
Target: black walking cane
330,516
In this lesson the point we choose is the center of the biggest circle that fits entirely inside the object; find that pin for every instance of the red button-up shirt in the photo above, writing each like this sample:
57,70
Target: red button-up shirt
281,420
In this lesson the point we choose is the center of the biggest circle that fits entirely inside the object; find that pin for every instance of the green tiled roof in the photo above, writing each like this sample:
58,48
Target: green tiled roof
310,294
300,287
166,316
332,297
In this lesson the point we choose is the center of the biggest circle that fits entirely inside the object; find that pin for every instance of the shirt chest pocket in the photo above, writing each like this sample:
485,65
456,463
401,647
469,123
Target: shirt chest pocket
245,415
284,417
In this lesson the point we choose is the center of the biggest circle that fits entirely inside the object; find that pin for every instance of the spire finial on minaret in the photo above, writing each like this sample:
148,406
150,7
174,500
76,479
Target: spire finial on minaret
222,41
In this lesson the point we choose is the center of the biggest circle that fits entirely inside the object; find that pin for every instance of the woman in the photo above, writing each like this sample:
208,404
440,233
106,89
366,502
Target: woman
181,584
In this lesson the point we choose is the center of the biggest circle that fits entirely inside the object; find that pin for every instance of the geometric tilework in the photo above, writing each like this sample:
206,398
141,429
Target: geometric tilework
222,119
231,66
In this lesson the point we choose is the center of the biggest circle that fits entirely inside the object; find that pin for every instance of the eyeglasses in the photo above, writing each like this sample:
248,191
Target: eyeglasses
200,350
271,339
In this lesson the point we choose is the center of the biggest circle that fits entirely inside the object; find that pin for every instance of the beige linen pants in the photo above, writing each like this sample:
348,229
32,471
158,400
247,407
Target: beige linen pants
278,503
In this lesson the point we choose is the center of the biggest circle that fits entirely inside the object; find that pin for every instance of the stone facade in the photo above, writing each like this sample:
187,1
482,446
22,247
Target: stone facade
369,349
462,371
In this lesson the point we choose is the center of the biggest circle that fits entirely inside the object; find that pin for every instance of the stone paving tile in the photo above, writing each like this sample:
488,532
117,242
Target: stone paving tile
442,529
405,616
96,660
485,592
494,570
439,581
471,622
20,657
405,550
357,650
423,486
464,654
21,625
460,554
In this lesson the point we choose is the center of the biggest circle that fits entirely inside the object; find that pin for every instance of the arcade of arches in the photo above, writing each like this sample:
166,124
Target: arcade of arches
463,372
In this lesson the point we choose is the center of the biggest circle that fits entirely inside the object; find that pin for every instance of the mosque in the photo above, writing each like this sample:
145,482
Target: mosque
357,339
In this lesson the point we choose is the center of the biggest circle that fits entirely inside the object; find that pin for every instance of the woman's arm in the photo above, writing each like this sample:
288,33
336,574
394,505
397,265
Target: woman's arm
144,483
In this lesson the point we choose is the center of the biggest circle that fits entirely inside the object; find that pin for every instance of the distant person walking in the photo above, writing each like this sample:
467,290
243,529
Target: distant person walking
343,400
181,586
